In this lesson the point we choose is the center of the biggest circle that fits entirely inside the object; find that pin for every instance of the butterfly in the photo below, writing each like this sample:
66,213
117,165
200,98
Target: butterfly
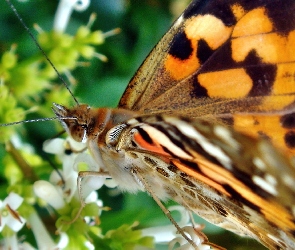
194,123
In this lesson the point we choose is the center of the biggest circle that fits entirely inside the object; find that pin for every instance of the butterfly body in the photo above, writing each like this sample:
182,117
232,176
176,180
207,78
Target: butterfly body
195,121
208,168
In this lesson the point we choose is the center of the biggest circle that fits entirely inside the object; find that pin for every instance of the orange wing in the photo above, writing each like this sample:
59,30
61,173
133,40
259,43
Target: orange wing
232,61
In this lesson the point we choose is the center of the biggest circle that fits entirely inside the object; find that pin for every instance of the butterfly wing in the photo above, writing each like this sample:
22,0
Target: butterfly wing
232,180
231,61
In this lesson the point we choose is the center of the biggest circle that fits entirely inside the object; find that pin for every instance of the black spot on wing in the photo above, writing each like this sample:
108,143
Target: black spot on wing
282,15
139,119
217,8
144,135
256,122
221,59
220,209
187,182
180,46
172,167
191,165
150,161
290,139
203,51
184,175
133,155
262,75
237,196
229,121
174,140
167,151
198,90
162,172
288,120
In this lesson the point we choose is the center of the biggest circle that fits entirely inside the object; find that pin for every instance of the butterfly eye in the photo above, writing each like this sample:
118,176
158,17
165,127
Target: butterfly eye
84,126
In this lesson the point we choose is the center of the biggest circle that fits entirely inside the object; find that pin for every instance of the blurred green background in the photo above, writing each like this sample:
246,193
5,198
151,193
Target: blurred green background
143,22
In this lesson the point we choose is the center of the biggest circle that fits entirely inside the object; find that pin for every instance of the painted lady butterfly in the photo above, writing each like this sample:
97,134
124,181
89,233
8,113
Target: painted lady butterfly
194,122
223,67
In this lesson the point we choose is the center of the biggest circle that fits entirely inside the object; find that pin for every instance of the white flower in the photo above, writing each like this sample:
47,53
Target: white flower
71,154
25,246
64,11
164,234
196,237
67,151
42,237
11,242
9,216
63,185
46,191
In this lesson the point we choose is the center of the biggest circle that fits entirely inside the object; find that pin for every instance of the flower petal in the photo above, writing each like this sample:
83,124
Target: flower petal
11,242
86,158
63,241
14,200
54,146
76,146
15,224
42,236
81,5
49,193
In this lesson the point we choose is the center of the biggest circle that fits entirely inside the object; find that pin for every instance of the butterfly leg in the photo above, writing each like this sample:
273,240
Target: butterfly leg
81,175
163,208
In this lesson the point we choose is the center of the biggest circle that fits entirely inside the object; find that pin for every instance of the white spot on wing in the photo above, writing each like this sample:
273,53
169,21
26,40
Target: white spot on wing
210,148
259,163
271,179
264,184
288,180
226,135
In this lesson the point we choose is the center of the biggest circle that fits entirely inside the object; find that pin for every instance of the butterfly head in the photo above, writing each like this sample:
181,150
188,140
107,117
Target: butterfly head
75,120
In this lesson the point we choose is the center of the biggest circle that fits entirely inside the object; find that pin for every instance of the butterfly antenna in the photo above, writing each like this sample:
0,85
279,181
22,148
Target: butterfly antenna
40,48
37,120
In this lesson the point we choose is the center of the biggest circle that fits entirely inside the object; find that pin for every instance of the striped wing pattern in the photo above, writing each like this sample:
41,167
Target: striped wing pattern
232,180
